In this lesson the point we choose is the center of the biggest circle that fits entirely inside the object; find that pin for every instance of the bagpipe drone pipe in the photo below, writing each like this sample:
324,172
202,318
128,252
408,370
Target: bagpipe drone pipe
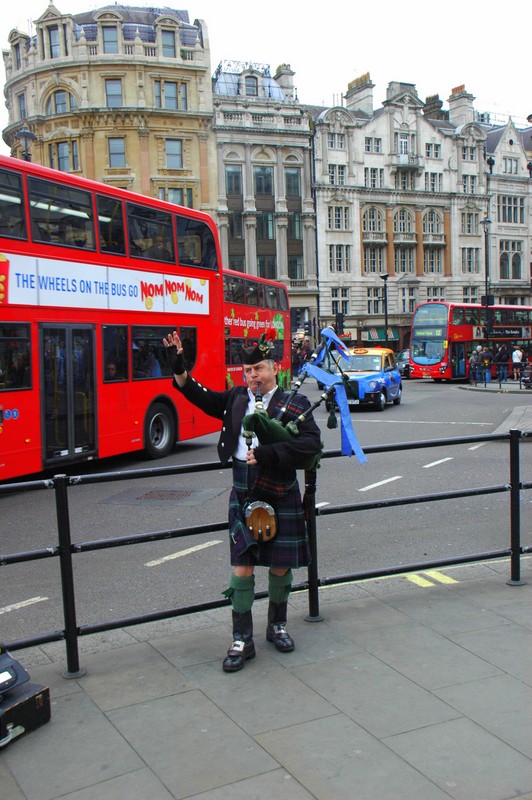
274,430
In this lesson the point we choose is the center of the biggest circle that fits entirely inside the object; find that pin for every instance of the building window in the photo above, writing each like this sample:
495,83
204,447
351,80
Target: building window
263,179
469,222
54,42
432,222
267,267
435,294
60,102
337,174
433,181
469,153
251,86
174,153
404,259
21,101
372,144
292,177
113,93
64,156
432,150
117,152
403,221
408,300
469,183
338,218
168,42
404,143
510,166
405,180
177,195
510,209
375,300
432,259
373,178
373,221
373,259
340,301
296,268
18,60
336,141
236,225
470,259
171,95
233,179
339,258
295,227
470,294
510,259
110,38
265,225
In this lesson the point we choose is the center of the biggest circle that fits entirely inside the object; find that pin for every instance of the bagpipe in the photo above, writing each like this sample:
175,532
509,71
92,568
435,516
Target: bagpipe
272,430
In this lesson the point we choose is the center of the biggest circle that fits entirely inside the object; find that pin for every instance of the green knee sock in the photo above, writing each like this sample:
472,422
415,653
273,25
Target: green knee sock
279,586
242,592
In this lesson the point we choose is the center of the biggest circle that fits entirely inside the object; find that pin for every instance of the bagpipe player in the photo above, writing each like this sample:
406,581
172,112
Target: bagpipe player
264,477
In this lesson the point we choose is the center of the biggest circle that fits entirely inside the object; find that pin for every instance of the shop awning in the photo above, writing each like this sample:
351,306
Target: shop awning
378,334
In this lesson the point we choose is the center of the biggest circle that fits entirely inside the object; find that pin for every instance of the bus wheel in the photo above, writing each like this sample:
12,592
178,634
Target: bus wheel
159,431
381,401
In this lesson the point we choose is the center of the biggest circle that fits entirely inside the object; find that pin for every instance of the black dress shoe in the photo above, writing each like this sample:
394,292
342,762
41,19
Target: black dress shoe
238,654
276,632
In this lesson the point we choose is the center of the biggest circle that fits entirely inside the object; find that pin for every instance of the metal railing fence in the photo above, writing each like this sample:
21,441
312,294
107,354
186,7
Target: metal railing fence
65,550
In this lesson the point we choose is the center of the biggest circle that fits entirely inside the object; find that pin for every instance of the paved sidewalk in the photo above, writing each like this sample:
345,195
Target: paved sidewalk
405,691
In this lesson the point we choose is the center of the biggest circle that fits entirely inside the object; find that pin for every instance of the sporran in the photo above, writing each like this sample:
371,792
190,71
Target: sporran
261,520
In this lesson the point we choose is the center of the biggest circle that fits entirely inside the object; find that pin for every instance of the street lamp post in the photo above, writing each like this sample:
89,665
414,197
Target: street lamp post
384,278
487,300
26,138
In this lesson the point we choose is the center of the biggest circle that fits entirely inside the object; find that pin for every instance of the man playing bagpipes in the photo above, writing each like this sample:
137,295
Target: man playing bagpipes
266,518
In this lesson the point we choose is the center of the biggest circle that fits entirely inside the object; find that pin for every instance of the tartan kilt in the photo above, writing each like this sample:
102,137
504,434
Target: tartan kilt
288,549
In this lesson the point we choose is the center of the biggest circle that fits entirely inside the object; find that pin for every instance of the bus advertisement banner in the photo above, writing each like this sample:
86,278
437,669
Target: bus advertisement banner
50,282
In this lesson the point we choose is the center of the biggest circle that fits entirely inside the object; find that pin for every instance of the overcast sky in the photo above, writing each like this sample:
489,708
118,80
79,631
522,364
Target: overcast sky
434,46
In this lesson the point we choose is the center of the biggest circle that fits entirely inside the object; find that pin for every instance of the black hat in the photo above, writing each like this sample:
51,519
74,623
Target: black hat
262,350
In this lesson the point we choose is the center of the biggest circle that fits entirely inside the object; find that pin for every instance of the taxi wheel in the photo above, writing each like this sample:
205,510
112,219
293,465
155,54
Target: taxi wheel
397,400
380,403
159,431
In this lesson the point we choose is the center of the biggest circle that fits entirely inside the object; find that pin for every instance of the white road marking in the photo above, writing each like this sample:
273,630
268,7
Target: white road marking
380,483
476,446
324,503
22,604
181,553
435,463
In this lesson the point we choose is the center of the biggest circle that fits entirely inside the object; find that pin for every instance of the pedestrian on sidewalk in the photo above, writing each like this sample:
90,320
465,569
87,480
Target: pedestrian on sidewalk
501,359
261,472
517,359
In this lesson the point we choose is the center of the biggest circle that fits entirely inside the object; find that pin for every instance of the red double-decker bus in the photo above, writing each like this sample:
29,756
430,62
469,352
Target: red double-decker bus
445,334
91,279
251,305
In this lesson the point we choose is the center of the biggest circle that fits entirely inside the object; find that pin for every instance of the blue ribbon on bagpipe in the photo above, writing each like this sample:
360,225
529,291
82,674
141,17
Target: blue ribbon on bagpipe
350,443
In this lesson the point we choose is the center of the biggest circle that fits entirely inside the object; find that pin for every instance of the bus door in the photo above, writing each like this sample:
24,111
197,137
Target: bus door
458,359
67,388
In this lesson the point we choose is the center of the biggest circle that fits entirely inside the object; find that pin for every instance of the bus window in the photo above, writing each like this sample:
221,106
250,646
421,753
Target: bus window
457,316
60,214
188,342
146,225
472,316
111,225
271,297
12,217
115,351
235,290
252,293
195,243
15,372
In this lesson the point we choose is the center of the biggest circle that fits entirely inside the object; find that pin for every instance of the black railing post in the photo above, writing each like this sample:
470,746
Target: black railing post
313,577
67,578
515,511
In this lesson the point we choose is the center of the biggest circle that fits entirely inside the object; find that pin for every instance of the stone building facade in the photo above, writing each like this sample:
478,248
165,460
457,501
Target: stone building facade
362,211
119,94
402,193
